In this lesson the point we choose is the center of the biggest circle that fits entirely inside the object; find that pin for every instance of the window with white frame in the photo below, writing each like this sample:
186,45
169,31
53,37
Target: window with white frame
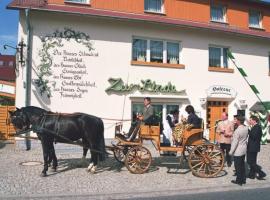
255,19
218,57
160,109
1,63
155,6
157,51
218,13
173,52
78,1
139,48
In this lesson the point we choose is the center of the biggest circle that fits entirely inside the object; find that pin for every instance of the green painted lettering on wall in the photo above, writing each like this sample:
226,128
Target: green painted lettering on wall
118,86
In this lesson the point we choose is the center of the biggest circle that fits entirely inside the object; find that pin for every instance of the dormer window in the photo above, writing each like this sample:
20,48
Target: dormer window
154,6
255,19
218,13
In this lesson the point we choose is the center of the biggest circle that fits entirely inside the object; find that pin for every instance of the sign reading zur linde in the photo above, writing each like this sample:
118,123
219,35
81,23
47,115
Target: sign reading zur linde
117,85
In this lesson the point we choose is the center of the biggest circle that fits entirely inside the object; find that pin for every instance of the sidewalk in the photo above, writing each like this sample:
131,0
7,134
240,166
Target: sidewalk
111,180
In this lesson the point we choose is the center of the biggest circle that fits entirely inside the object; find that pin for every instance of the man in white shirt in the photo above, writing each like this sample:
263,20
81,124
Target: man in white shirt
225,130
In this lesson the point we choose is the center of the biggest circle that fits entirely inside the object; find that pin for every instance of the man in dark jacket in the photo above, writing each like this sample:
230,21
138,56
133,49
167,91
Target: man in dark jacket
254,143
146,118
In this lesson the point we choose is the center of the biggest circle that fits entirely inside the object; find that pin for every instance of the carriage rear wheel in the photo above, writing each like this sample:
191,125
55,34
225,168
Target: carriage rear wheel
138,160
206,160
120,154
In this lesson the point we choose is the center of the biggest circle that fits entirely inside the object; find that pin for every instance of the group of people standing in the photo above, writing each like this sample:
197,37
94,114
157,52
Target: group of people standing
240,141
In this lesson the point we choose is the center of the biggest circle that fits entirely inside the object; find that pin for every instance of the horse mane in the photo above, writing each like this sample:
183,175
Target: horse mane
38,111
34,110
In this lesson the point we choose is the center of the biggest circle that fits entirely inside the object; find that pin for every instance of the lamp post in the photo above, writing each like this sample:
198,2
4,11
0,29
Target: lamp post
19,48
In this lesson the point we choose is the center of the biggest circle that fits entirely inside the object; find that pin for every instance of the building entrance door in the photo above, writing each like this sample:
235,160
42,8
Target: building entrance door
214,111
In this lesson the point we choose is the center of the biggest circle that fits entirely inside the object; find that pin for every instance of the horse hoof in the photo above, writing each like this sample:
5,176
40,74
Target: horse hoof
43,174
93,169
90,167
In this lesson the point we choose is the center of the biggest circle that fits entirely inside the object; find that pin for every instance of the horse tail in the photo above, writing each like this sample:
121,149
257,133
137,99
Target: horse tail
101,145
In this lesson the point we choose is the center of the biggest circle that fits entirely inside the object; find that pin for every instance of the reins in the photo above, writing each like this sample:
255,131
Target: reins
75,114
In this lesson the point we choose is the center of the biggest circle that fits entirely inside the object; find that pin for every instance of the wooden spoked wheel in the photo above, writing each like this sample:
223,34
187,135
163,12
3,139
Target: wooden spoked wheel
206,160
138,160
120,154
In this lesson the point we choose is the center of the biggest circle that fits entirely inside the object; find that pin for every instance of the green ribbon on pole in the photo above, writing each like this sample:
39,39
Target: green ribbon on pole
242,72
244,75
229,54
254,89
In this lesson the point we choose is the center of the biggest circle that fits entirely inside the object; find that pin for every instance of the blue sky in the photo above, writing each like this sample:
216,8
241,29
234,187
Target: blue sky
9,27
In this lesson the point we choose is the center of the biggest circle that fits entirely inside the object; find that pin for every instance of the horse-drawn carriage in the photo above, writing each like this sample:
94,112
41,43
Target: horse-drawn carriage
204,159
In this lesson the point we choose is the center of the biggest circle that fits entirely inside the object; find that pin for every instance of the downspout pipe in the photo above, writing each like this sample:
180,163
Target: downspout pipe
28,60
28,73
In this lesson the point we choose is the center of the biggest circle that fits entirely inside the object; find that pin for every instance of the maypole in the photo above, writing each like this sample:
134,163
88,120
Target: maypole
263,116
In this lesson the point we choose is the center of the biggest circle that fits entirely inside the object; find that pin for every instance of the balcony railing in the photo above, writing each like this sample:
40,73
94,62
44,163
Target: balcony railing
39,3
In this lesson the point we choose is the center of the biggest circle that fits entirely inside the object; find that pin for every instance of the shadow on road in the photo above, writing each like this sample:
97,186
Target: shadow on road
3,143
172,163
72,163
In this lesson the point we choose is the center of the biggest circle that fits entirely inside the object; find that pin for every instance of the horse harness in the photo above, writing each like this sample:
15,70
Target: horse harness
56,132
40,129
56,124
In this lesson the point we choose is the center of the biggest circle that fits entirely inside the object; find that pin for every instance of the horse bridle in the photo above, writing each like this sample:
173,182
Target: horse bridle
23,120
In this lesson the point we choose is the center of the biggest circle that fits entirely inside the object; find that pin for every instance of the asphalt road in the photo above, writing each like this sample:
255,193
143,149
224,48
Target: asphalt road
250,194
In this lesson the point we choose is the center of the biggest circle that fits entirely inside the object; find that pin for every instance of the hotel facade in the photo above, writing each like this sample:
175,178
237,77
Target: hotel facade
102,57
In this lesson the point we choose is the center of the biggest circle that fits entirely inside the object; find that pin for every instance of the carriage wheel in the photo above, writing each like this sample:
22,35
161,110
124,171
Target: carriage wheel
138,160
206,160
120,154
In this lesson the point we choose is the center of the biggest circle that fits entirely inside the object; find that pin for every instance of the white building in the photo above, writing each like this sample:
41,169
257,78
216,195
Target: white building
105,60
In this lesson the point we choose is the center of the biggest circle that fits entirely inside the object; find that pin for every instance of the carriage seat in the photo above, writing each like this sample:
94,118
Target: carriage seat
126,141
132,136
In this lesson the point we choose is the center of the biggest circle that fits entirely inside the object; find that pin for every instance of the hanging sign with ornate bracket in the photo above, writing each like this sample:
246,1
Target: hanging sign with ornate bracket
117,85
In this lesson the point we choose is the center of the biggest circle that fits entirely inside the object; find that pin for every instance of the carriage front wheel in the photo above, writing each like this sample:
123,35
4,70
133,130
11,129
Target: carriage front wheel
206,160
138,160
120,154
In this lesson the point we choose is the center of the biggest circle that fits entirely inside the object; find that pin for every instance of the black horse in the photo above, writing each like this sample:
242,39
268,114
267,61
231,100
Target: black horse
54,127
